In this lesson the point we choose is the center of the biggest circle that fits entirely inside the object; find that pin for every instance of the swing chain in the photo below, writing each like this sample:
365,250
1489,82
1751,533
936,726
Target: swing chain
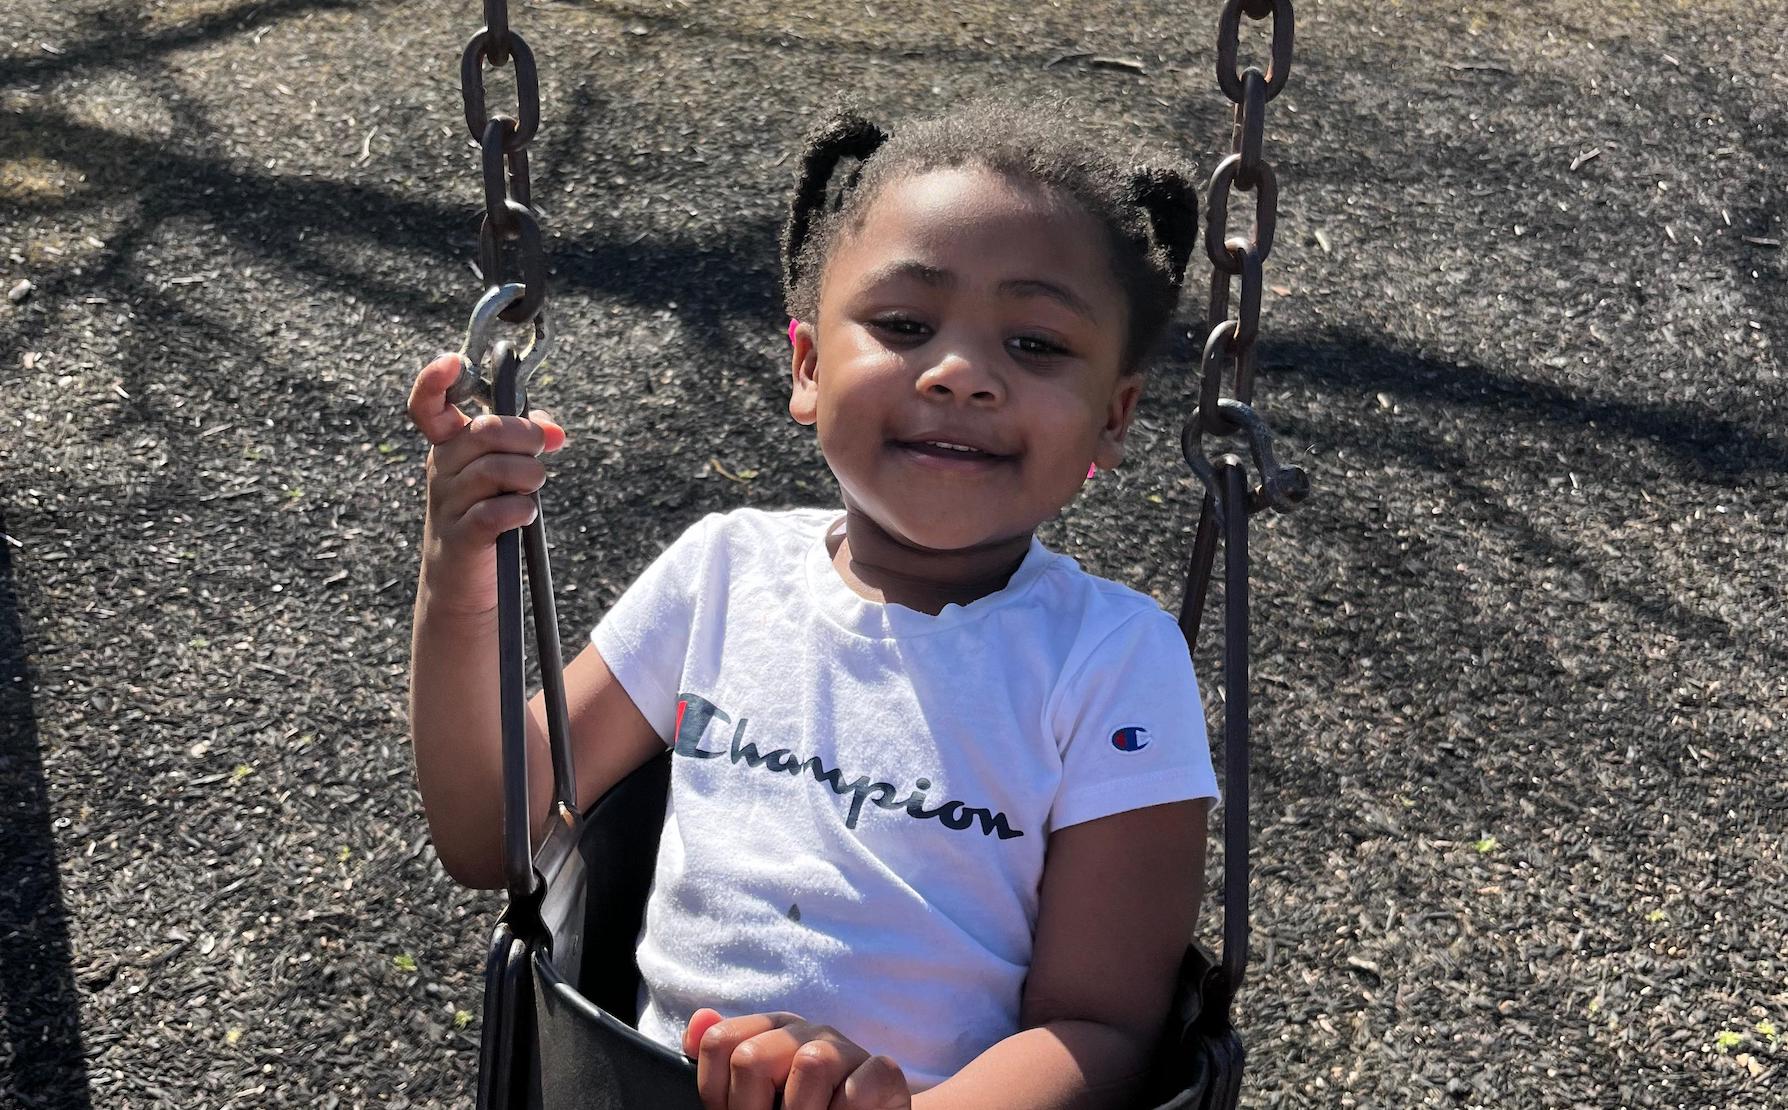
510,248
1231,342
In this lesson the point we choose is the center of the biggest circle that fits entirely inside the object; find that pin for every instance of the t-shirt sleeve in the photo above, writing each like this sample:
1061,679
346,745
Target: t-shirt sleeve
1131,725
644,638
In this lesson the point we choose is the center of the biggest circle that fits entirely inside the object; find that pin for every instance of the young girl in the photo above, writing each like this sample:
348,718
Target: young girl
937,813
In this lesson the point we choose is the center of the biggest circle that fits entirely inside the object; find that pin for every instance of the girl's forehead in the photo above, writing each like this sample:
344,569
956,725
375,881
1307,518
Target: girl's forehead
952,200
974,218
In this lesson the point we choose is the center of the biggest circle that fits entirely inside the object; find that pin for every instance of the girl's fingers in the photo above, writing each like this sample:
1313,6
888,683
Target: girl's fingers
713,1054
437,420
700,1022
555,435
721,1052
493,516
758,1070
743,1062
876,1084
450,493
489,434
818,1071
765,1064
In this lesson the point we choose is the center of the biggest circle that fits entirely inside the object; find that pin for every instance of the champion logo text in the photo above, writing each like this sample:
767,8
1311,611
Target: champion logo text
695,713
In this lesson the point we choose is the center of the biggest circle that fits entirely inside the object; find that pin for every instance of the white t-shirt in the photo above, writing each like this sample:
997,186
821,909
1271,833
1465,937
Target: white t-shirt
862,793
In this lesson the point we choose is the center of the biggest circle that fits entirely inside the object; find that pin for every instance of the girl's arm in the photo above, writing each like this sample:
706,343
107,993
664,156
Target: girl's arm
456,730
1118,904
479,473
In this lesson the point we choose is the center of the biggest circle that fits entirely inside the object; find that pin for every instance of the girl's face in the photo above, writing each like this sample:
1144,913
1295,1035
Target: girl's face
966,368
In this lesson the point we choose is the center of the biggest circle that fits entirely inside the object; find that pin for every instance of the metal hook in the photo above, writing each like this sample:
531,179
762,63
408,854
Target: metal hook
1281,487
472,386
1201,466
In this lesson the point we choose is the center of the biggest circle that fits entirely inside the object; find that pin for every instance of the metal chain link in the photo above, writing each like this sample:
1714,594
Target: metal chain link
510,249
1229,499
1229,343
512,262
1248,170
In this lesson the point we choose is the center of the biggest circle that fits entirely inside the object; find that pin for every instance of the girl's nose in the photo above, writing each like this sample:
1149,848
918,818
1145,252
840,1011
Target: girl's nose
964,380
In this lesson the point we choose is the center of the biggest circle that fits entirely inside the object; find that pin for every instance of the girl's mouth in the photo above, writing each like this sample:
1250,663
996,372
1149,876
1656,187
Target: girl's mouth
950,455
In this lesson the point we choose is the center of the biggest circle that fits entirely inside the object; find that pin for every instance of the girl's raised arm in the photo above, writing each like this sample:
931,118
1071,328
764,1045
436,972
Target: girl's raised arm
479,473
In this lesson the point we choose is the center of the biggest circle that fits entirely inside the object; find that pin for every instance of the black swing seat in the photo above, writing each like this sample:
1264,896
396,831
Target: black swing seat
562,969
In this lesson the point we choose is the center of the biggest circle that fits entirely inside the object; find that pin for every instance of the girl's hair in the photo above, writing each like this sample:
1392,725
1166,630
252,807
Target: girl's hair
1149,213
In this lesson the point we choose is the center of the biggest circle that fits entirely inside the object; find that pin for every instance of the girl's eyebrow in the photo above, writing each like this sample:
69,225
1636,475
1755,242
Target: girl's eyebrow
910,268
1013,287
1036,287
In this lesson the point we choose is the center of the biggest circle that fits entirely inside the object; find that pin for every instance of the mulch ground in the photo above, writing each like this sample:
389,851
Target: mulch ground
1520,664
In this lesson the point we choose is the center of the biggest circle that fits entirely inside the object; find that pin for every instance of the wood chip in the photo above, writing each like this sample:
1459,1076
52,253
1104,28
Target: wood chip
239,491
1103,61
725,473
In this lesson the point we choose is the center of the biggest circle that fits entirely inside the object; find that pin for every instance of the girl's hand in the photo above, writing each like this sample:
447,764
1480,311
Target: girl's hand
481,477
742,1062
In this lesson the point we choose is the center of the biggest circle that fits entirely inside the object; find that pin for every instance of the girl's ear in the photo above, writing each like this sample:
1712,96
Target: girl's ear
1109,451
803,397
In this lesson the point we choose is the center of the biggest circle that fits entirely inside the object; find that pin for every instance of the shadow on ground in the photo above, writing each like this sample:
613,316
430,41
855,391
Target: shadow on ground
40,1021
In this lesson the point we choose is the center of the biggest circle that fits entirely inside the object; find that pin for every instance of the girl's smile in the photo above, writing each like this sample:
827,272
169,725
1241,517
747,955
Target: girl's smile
965,372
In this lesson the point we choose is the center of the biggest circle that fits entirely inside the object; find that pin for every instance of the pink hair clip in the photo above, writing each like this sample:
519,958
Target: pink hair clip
1092,469
792,325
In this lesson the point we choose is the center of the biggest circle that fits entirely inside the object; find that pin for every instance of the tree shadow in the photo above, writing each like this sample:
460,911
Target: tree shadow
807,41
715,281
40,1023
279,218
1703,445
105,47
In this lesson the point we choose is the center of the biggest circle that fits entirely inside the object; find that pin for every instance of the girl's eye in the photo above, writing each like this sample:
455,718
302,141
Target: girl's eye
1036,345
899,325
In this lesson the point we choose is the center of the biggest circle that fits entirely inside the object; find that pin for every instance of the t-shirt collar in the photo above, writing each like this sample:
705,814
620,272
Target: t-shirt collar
879,620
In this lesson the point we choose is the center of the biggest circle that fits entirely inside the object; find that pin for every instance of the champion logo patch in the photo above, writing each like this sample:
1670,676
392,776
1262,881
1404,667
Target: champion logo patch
1130,739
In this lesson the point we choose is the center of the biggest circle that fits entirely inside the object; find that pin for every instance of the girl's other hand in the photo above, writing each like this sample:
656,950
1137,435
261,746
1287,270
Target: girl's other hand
482,474
742,1062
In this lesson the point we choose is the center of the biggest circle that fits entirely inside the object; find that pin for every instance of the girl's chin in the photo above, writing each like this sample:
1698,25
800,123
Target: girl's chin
961,531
